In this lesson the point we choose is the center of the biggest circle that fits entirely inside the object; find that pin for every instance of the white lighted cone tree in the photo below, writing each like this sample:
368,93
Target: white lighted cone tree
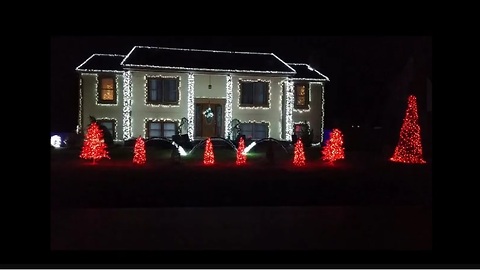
409,147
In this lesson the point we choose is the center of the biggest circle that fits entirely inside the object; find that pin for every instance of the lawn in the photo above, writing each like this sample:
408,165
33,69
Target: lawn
362,178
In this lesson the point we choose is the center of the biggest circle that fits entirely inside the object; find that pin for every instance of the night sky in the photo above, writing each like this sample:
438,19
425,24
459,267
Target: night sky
361,69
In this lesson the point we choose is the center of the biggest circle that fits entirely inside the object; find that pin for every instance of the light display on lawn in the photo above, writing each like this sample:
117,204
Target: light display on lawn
55,141
299,154
241,156
334,149
208,157
139,153
94,146
409,147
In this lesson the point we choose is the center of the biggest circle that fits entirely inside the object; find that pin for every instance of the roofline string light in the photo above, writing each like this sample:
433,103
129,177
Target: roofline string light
206,69
99,70
127,105
229,107
145,86
191,106
311,69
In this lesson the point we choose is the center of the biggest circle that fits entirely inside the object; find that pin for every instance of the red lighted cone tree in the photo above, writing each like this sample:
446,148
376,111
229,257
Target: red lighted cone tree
94,146
334,150
139,153
208,157
299,154
241,157
409,147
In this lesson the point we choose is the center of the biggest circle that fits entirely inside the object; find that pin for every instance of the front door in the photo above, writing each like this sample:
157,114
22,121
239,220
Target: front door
208,120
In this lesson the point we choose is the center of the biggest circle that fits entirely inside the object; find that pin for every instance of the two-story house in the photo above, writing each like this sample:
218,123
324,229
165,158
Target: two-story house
158,92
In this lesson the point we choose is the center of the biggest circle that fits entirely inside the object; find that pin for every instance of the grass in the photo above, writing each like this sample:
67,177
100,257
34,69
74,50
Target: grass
361,179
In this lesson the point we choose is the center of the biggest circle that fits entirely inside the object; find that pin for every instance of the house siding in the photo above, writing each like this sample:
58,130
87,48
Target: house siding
315,114
90,106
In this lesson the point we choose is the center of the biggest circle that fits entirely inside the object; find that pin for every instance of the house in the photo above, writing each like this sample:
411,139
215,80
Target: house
159,92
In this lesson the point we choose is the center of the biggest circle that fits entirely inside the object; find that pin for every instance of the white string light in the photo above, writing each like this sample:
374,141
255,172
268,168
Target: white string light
289,111
292,71
309,100
145,86
80,105
191,106
322,114
280,107
254,107
115,125
259,122
146,120
127,105
97,94
325,78
99,70
228,107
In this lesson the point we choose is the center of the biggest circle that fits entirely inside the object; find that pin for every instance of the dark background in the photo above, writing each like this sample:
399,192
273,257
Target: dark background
370,76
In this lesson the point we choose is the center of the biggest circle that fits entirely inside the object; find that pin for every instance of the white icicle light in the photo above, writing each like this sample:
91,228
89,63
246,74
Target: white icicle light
80,101
280,107
323,114
191,106
228,108
127,105
145,86
289,111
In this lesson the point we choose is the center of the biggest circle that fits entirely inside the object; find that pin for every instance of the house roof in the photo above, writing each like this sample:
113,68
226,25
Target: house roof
102,63
306,73
144,57
205,60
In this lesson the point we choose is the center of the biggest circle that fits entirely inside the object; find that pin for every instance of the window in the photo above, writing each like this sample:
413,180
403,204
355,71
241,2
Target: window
255,131
254,94
162,91
301,96
161,129
300,130
106,90
109,125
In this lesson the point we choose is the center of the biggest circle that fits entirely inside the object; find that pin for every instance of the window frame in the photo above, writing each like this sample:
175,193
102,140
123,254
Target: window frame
307,96
266,94
100,89
267,130
161,92
113,121
162,128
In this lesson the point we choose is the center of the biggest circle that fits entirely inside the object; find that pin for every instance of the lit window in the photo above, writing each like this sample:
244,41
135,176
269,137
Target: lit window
107,90
301,96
